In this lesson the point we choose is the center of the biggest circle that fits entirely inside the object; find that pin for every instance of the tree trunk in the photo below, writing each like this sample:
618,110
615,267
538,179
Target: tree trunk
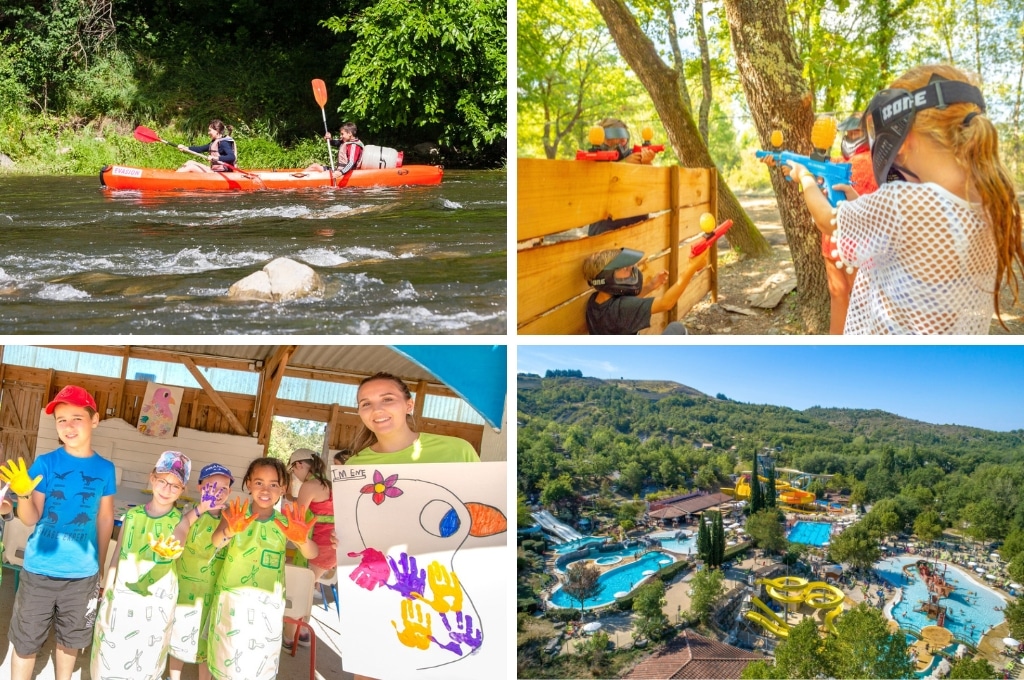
661,82
705,69
778,98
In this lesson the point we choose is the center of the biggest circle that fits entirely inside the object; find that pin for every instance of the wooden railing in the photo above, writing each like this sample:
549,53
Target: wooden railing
559,199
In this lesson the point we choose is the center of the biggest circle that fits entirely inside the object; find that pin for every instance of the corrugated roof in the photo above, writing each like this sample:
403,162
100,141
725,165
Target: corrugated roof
356,360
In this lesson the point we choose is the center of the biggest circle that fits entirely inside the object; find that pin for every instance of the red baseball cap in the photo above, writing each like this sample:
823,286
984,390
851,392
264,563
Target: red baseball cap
74,395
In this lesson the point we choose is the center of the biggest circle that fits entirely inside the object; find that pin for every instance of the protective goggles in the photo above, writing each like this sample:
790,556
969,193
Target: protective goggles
890,116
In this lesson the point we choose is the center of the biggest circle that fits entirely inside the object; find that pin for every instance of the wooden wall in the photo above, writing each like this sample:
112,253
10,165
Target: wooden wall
558,196
24,392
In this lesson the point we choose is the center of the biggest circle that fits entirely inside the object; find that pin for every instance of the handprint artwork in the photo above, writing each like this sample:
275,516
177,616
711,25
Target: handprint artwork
159,413
420,564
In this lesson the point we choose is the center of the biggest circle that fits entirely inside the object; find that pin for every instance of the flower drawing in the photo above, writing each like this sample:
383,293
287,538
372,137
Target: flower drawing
382,488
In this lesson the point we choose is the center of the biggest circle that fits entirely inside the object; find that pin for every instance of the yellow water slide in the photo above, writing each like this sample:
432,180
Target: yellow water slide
786,493
791,590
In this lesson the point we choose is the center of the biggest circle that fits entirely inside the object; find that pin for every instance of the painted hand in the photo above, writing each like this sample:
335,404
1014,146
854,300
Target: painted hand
234,515
372,571
463,633
444,585
166,546
408,579
297,529
416,626
16,476
212,499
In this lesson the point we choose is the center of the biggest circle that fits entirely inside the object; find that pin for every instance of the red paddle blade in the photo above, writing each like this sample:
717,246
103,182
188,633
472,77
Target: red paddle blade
320,92
144,134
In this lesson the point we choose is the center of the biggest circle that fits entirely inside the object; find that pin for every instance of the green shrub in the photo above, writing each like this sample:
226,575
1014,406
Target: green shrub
560,614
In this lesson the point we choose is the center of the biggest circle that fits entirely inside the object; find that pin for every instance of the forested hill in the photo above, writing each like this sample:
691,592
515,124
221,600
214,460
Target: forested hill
680,416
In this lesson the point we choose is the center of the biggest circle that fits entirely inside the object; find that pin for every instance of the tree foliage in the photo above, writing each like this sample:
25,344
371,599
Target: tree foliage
707,589
863,647
651,621
400,50
581,582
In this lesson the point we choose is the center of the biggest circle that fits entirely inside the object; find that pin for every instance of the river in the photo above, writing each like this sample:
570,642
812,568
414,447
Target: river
79,259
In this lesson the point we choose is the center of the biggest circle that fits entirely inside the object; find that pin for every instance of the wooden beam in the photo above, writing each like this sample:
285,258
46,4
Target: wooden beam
214,396
273,370
119,407
421,397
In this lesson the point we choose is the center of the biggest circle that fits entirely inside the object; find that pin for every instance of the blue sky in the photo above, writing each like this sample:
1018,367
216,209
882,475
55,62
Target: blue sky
981,386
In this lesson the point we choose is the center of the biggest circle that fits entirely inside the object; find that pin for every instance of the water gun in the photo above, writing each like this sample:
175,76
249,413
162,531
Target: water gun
596,138
711,233
829,174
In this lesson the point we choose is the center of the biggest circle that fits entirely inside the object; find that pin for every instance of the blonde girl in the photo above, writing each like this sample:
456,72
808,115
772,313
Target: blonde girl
933,252
133,626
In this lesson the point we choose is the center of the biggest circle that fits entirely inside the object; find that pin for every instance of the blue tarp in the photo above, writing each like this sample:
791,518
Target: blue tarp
477,373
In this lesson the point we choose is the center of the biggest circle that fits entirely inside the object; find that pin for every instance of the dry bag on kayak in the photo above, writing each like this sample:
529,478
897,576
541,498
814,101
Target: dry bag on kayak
377,157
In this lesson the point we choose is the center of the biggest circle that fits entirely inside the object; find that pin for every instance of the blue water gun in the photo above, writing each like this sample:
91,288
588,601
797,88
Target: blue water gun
829,174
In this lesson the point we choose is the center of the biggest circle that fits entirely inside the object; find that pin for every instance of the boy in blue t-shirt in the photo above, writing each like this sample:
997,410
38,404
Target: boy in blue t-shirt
68,496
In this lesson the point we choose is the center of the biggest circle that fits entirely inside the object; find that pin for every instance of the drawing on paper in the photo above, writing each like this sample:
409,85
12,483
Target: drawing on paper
159,413
418,549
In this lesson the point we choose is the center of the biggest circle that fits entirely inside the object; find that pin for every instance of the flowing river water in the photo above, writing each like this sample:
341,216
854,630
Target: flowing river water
78,259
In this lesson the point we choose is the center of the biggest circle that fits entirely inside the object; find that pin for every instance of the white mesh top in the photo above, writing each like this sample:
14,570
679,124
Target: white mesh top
926,259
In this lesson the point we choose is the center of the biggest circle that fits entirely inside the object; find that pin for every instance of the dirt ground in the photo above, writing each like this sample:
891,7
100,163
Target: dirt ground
739,280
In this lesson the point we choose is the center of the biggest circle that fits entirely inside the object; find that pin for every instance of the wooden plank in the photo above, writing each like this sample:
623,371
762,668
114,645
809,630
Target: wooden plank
558,195
214,396
274,370
552,274
696,187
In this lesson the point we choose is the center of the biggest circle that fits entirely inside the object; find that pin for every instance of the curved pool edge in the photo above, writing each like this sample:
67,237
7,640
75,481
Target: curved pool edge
551,605
887,609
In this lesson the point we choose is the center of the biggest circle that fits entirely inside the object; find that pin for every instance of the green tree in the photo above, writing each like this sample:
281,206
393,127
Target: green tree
595,651
1016,568
1014,613
523,517
438,67
703,540
1012,545
707,589
928,526
801,654
769,488
972,669
765,528
633,477
863,647
718,540
762,670
857,547
558,491
288,434
581,582
651,621
756,496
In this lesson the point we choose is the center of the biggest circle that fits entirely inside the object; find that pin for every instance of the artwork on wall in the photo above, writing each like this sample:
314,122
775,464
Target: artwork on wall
159,414
422,563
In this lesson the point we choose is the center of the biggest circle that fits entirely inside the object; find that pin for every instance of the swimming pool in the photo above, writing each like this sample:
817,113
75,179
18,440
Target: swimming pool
966,620
578,544
683,546
620,579
597,556
810,533
608,559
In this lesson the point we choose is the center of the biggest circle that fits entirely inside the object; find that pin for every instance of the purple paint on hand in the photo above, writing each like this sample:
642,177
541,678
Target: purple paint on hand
464,634
372,571
407,579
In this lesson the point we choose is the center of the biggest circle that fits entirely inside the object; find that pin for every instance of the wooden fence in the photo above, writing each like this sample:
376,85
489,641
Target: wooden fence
558,199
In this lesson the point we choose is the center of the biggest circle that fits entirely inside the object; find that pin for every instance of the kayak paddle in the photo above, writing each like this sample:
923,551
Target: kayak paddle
320,93
147,136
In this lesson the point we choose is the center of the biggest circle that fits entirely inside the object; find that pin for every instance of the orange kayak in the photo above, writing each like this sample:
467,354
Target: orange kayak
150,179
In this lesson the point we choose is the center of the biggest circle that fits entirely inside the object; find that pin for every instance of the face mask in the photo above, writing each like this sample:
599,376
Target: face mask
852,146
890,117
